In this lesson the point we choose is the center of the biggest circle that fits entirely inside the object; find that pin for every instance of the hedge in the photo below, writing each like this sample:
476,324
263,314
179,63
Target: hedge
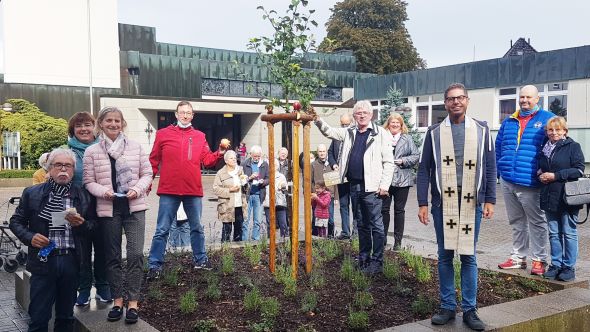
17,173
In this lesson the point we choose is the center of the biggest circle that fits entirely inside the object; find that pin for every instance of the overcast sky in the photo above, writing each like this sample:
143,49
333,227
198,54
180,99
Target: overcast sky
444,32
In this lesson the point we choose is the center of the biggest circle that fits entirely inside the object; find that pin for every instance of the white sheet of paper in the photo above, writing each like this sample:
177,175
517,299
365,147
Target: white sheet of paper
58,218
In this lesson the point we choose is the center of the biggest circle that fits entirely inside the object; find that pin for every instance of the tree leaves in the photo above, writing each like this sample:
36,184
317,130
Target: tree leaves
375,31
40,132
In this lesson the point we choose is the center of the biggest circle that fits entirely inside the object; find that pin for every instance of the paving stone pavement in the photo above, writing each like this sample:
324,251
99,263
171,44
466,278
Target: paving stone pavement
494,244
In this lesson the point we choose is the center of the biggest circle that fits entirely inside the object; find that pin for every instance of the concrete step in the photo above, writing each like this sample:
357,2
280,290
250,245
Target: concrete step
560,311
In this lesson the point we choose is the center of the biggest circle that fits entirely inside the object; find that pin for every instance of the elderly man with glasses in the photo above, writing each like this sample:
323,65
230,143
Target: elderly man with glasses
366,164
257,171
54,219
178,152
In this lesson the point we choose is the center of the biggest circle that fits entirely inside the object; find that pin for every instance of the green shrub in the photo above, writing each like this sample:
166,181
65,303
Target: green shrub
17,174
171,277
205,325
244,281
358,320
253,254
317,279
213,291
155,293
269,308
39,132
282,273
355,244
391,269
309,302
188,302
347,268
363,300
227,262
360,281
422,305
290,289
252,300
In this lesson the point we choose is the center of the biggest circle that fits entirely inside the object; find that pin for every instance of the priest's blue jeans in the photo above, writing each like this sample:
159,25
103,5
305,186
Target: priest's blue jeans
166,215
563,237
366,209
446,271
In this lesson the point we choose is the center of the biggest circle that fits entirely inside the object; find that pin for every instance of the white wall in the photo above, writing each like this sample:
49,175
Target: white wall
46,42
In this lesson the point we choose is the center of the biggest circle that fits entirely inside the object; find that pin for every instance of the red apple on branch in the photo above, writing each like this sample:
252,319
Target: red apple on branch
297,106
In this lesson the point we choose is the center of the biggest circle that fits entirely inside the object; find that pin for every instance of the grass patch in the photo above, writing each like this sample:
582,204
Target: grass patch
188,302
290,289
316,279
391,269
253,254
347,269
171,277
358,320
355,244
418,264
269,308
534,285
213,291
252,299
363,300
155,293
360,281
227,262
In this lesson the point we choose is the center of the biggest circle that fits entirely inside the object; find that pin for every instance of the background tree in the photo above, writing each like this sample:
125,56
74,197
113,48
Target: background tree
375,31
394,103
39,132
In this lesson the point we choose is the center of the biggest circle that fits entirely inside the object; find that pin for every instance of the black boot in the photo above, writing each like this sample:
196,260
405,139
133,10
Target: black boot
443,316
471,319
330,230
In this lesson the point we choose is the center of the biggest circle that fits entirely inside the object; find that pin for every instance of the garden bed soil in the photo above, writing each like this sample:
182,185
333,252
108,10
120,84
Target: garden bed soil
399,301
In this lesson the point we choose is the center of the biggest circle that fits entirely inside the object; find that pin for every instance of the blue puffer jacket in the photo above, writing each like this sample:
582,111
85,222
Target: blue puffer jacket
516,160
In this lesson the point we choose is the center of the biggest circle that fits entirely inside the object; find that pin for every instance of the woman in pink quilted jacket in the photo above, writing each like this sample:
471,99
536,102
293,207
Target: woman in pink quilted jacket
118,173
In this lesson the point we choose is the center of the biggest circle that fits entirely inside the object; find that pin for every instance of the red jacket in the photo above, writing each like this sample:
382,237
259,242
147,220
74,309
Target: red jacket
321,205
179,153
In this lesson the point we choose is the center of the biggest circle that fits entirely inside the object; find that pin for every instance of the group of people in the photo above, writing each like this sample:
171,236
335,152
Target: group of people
95,190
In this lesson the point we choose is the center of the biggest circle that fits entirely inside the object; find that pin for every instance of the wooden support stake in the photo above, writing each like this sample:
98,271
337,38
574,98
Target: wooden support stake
307,196
272,198
295,220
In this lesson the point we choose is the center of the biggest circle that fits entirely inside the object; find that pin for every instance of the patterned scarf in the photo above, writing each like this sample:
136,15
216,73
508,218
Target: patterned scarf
55,202
548,148
116,149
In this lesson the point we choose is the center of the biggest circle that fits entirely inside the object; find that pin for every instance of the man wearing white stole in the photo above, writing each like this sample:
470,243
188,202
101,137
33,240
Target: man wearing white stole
462,178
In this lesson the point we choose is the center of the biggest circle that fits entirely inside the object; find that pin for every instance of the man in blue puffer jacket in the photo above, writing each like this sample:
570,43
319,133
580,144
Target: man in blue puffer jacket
518,142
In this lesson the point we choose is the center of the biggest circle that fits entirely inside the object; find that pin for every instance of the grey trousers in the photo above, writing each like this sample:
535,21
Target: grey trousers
527,220
130,280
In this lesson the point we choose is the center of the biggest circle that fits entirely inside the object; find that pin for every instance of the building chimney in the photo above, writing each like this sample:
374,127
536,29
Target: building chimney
510,43
529,41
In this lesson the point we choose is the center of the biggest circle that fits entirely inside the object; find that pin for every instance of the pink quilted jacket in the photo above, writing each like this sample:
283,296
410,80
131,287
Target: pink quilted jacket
97,176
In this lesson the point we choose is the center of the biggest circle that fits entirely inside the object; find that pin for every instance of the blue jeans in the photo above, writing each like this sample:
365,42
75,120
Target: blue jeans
344,200
366,208
179,235
166,215
255,214
446,271
59,287
563,238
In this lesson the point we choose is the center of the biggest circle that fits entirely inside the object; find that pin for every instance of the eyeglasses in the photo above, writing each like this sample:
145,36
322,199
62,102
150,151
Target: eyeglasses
362,113
185,113
460,99
62,166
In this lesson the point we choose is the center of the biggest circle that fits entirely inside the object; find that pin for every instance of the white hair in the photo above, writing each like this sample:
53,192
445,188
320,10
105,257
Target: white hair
228,154
256,149
322,146
362,105
60,152
43,160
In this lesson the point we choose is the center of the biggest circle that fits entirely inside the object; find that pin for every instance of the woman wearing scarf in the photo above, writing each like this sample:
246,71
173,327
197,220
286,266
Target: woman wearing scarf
81,132
405,158
232,202
560,161
118,173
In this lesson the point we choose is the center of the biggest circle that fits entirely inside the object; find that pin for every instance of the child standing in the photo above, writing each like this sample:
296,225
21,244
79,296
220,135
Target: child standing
320,201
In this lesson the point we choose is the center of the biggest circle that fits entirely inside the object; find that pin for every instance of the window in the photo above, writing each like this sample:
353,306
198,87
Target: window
379,105
507,107
430,110
422,116
558,105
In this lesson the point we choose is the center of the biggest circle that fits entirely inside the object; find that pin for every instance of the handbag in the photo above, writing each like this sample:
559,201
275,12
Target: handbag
578,193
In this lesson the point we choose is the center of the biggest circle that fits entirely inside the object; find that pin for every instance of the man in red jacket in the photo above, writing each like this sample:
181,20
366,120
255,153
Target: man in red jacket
177,154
